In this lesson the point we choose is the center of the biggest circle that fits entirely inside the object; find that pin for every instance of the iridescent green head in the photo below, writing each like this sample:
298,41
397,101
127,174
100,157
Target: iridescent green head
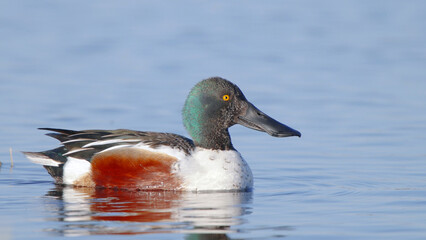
214,105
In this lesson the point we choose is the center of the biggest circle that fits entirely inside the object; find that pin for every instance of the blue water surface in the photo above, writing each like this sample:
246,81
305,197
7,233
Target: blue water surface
350,75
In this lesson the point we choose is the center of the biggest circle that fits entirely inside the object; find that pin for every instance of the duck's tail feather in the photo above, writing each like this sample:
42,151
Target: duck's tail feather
52,160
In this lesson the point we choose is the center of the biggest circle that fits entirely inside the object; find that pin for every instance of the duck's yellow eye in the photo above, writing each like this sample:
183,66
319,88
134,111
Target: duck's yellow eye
225,97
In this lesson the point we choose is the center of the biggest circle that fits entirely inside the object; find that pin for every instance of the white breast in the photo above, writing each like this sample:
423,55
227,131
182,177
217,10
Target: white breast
209,169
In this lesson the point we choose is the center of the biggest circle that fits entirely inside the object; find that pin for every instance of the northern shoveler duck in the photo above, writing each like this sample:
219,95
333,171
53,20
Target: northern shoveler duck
136,160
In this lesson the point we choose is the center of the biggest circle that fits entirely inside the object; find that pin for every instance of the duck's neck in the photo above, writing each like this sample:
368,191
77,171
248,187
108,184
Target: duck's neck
205,123
214,139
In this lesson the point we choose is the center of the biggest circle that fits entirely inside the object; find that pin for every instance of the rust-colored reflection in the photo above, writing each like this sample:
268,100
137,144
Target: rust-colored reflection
131,206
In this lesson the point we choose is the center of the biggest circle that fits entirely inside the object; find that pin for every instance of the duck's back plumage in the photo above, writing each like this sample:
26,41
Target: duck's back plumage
84,144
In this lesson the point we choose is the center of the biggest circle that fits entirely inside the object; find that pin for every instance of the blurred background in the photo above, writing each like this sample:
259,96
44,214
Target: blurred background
350,75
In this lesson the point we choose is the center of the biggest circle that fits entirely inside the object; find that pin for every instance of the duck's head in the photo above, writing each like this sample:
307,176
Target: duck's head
214,105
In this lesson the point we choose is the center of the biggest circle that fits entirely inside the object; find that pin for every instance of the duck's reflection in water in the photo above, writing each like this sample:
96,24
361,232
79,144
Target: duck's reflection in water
86,211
